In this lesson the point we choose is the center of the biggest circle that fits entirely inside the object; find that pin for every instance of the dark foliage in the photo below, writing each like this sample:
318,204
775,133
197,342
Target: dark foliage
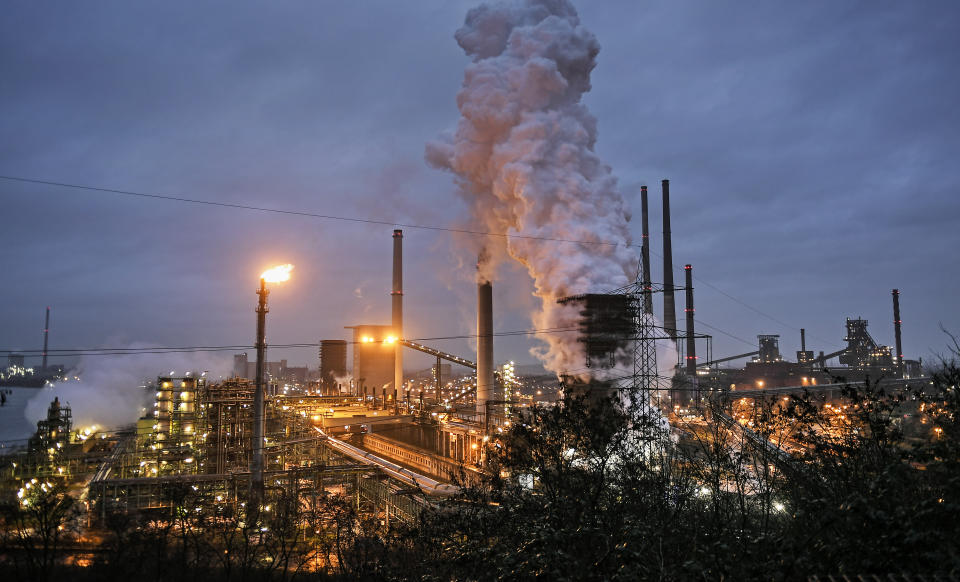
578,495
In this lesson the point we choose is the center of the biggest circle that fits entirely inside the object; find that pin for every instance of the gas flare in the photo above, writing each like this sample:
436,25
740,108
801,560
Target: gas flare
523,154
277,274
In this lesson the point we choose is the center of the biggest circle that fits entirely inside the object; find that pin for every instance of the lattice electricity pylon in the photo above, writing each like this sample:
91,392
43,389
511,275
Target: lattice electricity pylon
645,387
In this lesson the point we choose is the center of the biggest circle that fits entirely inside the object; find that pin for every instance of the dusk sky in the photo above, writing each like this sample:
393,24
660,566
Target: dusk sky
812,151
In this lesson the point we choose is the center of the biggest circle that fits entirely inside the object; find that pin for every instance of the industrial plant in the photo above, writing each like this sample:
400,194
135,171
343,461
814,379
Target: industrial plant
635,451
394,442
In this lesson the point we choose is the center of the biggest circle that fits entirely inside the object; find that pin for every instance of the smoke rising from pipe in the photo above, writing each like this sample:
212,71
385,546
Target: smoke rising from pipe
524,160
109,392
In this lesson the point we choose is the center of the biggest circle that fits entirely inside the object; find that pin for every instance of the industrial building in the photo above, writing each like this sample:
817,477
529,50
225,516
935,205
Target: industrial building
607,331
333,366
373,360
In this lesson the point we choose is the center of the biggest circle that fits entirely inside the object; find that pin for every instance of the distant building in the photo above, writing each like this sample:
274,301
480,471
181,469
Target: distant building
912,368
54,431
294,374
446,371
240,365
333,362
274,372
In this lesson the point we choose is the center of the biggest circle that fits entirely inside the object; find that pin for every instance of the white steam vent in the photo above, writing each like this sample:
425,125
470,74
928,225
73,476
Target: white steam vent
523,154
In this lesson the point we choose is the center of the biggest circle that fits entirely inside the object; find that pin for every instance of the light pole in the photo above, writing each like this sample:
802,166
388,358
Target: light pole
275,275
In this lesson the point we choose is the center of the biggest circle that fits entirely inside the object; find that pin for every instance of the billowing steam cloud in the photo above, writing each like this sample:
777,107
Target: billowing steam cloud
524,160
108,393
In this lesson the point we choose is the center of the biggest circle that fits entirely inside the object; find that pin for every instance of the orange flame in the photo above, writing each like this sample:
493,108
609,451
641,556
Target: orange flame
277,274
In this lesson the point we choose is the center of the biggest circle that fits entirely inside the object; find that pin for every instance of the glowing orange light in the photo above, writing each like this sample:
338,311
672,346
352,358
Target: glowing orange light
277,274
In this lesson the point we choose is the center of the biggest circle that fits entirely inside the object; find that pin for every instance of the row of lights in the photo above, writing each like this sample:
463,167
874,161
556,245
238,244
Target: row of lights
390,339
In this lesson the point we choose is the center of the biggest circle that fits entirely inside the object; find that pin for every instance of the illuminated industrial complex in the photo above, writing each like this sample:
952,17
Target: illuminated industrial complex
392,441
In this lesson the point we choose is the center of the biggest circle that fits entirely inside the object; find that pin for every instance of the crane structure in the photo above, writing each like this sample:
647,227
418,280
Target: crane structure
440,355
728,359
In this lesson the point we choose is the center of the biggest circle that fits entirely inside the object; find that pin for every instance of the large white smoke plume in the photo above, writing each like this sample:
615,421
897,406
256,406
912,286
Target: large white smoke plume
523,156
109,393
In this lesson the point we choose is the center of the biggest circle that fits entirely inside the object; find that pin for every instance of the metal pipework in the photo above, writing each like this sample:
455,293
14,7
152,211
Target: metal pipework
485,382
896,328
46,333
256,458
645,255
669,305
397,299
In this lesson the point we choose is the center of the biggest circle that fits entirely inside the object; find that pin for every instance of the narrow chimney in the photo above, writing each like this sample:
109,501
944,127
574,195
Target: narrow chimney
645,255
803,340
485,382
691,341
669,307
46,334
397,323
898,360
256,459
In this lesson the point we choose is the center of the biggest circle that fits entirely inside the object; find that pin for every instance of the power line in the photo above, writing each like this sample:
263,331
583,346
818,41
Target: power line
183,199
306,214
63,352
728,334
159,350
680,270
185,349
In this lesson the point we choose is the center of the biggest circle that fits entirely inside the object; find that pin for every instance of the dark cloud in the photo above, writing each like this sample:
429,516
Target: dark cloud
811,148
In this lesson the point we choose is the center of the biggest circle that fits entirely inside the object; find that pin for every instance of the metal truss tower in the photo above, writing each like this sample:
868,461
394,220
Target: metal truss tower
645,387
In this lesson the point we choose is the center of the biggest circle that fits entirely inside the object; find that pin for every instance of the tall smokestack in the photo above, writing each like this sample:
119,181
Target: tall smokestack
896,328
256,457
669,307
645,255
485,385
691,343
397,299
803,340
46,334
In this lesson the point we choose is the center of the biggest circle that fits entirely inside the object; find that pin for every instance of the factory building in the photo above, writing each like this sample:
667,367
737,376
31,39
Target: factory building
199,427
373,359
862,358
54,430
227,425
175,408
606,329
863,355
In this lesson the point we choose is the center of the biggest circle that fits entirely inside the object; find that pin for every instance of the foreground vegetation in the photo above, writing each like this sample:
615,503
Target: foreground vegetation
584,492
